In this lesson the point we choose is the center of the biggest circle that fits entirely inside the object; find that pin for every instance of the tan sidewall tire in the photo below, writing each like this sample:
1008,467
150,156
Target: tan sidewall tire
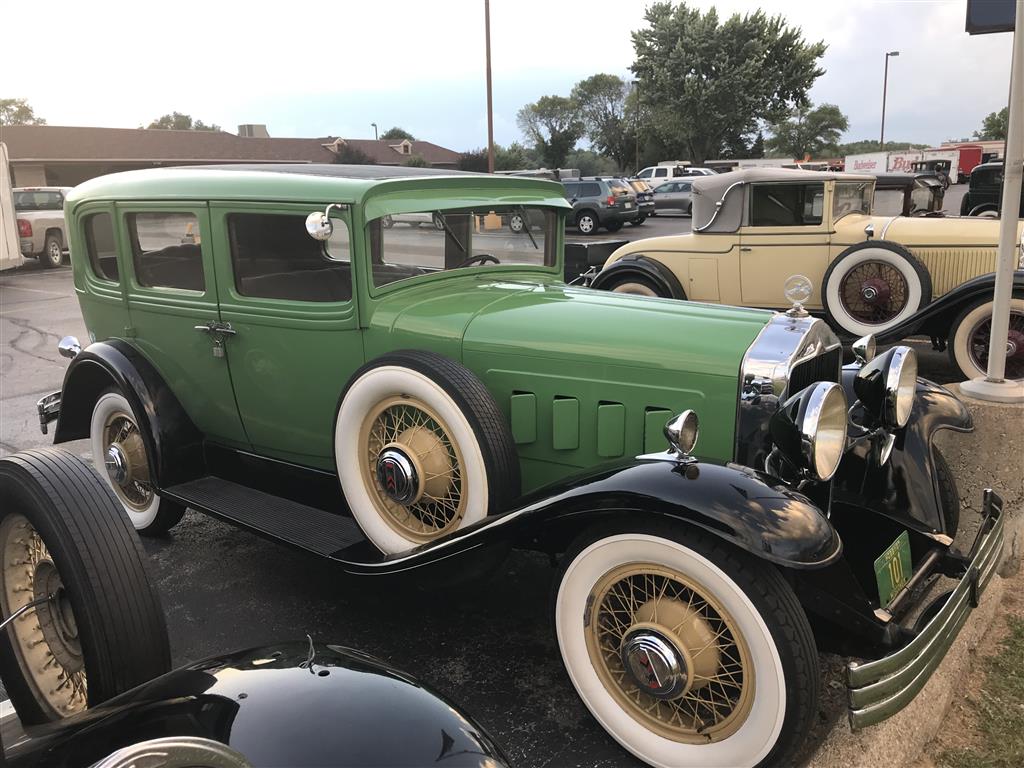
106,406
634,289
760,731
960,338
368,390
838,312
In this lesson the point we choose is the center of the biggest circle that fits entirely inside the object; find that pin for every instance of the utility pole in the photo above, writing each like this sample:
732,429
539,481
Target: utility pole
490,108
636,86
885,87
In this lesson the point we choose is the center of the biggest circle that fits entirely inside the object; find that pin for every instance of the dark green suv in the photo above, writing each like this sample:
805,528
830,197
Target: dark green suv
600,202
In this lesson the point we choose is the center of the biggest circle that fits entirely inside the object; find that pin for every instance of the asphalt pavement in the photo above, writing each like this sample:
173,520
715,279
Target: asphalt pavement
490,647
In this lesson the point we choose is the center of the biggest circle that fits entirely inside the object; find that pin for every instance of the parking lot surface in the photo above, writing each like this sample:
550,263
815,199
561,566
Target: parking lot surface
489,647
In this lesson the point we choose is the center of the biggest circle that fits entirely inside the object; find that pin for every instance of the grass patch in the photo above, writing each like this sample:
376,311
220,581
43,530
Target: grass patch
999,710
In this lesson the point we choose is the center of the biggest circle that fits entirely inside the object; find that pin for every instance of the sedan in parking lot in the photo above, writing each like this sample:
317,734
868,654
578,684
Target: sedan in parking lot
674,196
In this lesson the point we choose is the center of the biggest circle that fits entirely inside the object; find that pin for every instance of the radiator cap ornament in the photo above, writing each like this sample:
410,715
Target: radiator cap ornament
797,290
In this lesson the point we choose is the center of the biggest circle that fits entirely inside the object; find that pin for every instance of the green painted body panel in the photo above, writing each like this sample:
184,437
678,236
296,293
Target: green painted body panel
582,376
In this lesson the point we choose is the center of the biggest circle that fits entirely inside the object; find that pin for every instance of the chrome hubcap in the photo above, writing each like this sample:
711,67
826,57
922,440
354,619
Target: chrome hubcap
655,664
875,291
116,464
397,476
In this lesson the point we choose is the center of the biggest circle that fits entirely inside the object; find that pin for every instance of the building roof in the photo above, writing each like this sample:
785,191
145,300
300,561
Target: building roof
52,143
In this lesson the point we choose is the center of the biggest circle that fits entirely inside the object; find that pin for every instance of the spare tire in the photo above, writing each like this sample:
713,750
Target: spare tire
422,450
65,536
873,286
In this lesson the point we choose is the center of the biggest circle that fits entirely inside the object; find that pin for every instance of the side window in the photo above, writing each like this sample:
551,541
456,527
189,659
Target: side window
101,247
166,251
571,190
644,174
782,205
685,186
661,173
590,189
668,186
273,257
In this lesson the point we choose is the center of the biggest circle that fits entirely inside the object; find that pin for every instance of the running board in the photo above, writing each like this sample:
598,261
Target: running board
282,519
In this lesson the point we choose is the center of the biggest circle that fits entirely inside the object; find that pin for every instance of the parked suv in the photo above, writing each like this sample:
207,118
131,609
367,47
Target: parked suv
40,214
644,200
600,202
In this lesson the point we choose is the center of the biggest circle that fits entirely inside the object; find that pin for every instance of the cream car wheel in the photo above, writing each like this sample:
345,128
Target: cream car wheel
414,463
119,454
971,334
635,288
673,658
871,288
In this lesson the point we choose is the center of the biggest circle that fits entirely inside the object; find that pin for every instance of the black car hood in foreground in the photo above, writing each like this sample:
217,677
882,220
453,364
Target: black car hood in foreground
295,705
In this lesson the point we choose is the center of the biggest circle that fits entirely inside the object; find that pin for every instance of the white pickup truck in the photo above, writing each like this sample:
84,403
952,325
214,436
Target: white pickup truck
40,215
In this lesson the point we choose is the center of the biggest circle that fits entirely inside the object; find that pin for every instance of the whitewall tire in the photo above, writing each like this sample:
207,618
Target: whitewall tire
969,339
761,648
421,450
119,455
872,287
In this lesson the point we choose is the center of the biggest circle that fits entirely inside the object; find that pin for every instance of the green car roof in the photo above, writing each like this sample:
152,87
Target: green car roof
319,182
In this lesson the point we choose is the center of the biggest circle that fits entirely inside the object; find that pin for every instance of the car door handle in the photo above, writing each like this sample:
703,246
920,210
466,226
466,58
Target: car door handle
746,248
223,329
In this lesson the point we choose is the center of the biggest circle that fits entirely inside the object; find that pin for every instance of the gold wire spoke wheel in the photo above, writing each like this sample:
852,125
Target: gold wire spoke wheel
125,461
44,639
412,468
669,653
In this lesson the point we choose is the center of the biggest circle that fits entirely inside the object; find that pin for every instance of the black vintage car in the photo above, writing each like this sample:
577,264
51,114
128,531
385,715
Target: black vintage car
985,193
82,625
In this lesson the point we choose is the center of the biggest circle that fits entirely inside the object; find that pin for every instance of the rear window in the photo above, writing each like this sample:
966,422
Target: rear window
166,250
38,200
619,187
100,245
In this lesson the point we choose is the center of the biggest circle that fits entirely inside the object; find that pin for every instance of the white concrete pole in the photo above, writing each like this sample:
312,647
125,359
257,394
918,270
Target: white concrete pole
994,386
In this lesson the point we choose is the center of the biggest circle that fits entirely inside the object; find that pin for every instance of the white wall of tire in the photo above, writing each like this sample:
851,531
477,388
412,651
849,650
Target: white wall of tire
848,261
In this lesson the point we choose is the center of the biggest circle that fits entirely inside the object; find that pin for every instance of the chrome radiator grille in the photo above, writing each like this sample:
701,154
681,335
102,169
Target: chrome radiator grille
823,367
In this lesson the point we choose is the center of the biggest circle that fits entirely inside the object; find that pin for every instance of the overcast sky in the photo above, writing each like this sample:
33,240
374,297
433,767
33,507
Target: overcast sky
319,68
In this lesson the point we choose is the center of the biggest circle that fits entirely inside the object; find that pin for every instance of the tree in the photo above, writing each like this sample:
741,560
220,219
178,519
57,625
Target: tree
178,122
590,163
18,112
397,134
703,81
415,161
994,126
552,123
808,132
514,157
604,105
871,145
349,155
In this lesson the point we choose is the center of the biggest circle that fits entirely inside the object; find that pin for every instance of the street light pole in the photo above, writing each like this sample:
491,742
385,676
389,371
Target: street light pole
885,88
374,131
490,109
636,86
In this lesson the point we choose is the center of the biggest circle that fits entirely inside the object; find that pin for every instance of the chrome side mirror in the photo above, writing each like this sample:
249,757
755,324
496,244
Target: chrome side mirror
69,347
319,225
864,349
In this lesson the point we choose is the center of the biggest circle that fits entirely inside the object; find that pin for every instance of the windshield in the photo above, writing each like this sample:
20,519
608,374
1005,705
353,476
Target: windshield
851,197
408,245
38,200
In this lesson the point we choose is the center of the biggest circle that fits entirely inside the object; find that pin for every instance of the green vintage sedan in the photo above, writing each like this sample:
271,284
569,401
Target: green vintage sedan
264,348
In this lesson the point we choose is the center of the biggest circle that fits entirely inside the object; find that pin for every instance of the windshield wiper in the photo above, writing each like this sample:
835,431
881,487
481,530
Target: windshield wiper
448,231
526,227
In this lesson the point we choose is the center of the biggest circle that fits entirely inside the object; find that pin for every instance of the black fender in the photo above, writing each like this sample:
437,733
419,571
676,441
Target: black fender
364,713
174,446
641,266
936,318
746,508
905,488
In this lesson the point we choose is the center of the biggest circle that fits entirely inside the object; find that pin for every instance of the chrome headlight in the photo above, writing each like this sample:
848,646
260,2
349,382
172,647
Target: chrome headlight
887,386
810,429
864,348
682,432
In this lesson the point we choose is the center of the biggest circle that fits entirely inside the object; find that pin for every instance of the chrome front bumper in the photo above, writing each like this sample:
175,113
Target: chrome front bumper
48,409
879,689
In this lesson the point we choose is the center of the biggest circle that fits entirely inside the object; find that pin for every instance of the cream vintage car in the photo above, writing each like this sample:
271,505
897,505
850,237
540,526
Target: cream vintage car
891,276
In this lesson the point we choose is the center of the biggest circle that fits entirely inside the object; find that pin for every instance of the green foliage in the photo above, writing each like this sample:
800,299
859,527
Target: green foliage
808,132
609,116
704,81
415,161
994,126
180,122
999,709
867,145
553,124
514,157
397,134
591,163
349,155
18,112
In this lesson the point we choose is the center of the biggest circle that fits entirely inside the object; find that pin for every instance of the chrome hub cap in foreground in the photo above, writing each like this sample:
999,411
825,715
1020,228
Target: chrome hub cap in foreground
669,653
125,462
45,639
413,469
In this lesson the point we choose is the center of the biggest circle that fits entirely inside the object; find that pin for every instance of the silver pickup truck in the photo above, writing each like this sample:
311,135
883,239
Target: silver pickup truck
40,215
